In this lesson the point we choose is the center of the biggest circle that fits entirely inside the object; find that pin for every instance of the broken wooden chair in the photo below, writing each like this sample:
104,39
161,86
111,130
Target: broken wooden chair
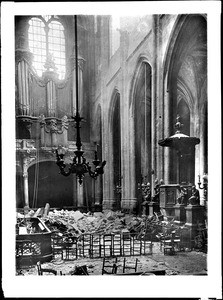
108,267
40,270
80,270
159,216
129,267
57,245
168,245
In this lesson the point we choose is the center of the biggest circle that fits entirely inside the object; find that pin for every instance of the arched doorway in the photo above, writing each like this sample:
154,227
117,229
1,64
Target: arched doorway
142,129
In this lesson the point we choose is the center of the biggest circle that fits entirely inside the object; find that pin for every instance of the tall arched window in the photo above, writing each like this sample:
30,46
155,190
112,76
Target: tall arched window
47,41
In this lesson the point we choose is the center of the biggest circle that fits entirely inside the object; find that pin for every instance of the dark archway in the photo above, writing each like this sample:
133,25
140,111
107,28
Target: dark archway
51,187
142,128
116,143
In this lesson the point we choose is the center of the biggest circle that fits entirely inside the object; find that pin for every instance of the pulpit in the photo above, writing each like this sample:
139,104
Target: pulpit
176,198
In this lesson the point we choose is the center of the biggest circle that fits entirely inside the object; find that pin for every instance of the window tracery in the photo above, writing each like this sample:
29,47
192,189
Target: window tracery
47,41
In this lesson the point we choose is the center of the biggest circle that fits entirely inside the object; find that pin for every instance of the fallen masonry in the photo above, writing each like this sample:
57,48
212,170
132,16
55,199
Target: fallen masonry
75,235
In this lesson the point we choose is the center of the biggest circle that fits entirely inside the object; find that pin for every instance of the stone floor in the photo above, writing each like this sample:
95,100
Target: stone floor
182,263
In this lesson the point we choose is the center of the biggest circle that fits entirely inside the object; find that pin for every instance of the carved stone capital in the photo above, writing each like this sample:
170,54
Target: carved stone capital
54,125
64,124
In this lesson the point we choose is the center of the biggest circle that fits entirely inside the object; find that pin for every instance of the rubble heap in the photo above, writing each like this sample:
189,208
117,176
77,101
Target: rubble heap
70,223
76,223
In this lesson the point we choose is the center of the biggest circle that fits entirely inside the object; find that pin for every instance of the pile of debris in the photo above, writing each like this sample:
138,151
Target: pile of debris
76,223
70,223
107,222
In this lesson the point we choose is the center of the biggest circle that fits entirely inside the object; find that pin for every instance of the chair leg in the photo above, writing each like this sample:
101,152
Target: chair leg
136,264
123,266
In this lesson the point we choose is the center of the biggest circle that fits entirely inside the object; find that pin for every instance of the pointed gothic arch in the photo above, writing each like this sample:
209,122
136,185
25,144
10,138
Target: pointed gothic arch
116,146
142,126
185,75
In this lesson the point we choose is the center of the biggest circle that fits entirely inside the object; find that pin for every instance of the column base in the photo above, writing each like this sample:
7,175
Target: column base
194,217
110,204
97,207
153,207
180,214
129,205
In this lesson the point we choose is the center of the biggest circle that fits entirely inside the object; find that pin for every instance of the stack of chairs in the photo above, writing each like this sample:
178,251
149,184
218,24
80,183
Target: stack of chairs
58,245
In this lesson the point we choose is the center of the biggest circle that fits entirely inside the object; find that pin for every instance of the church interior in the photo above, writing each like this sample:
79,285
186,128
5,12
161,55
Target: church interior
112,123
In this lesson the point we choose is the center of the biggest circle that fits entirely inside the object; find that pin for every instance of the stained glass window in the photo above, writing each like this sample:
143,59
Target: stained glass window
46,37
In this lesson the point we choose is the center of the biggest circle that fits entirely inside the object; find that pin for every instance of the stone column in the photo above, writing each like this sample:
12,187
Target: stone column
80,195
75,194
26,188
166,134
154,103
97,193
153,207
202,163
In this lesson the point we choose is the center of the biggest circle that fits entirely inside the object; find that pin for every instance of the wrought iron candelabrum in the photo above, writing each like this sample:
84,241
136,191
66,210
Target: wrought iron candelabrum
79,166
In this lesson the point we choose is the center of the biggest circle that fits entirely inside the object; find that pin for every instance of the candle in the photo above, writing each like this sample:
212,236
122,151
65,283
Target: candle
198,178
95,155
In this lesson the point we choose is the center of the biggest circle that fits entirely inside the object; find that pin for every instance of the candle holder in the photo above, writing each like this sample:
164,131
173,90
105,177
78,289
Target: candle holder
146,190
205,184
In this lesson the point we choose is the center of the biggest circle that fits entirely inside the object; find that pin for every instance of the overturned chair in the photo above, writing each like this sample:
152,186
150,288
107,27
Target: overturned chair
109,267
41,270
129,267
